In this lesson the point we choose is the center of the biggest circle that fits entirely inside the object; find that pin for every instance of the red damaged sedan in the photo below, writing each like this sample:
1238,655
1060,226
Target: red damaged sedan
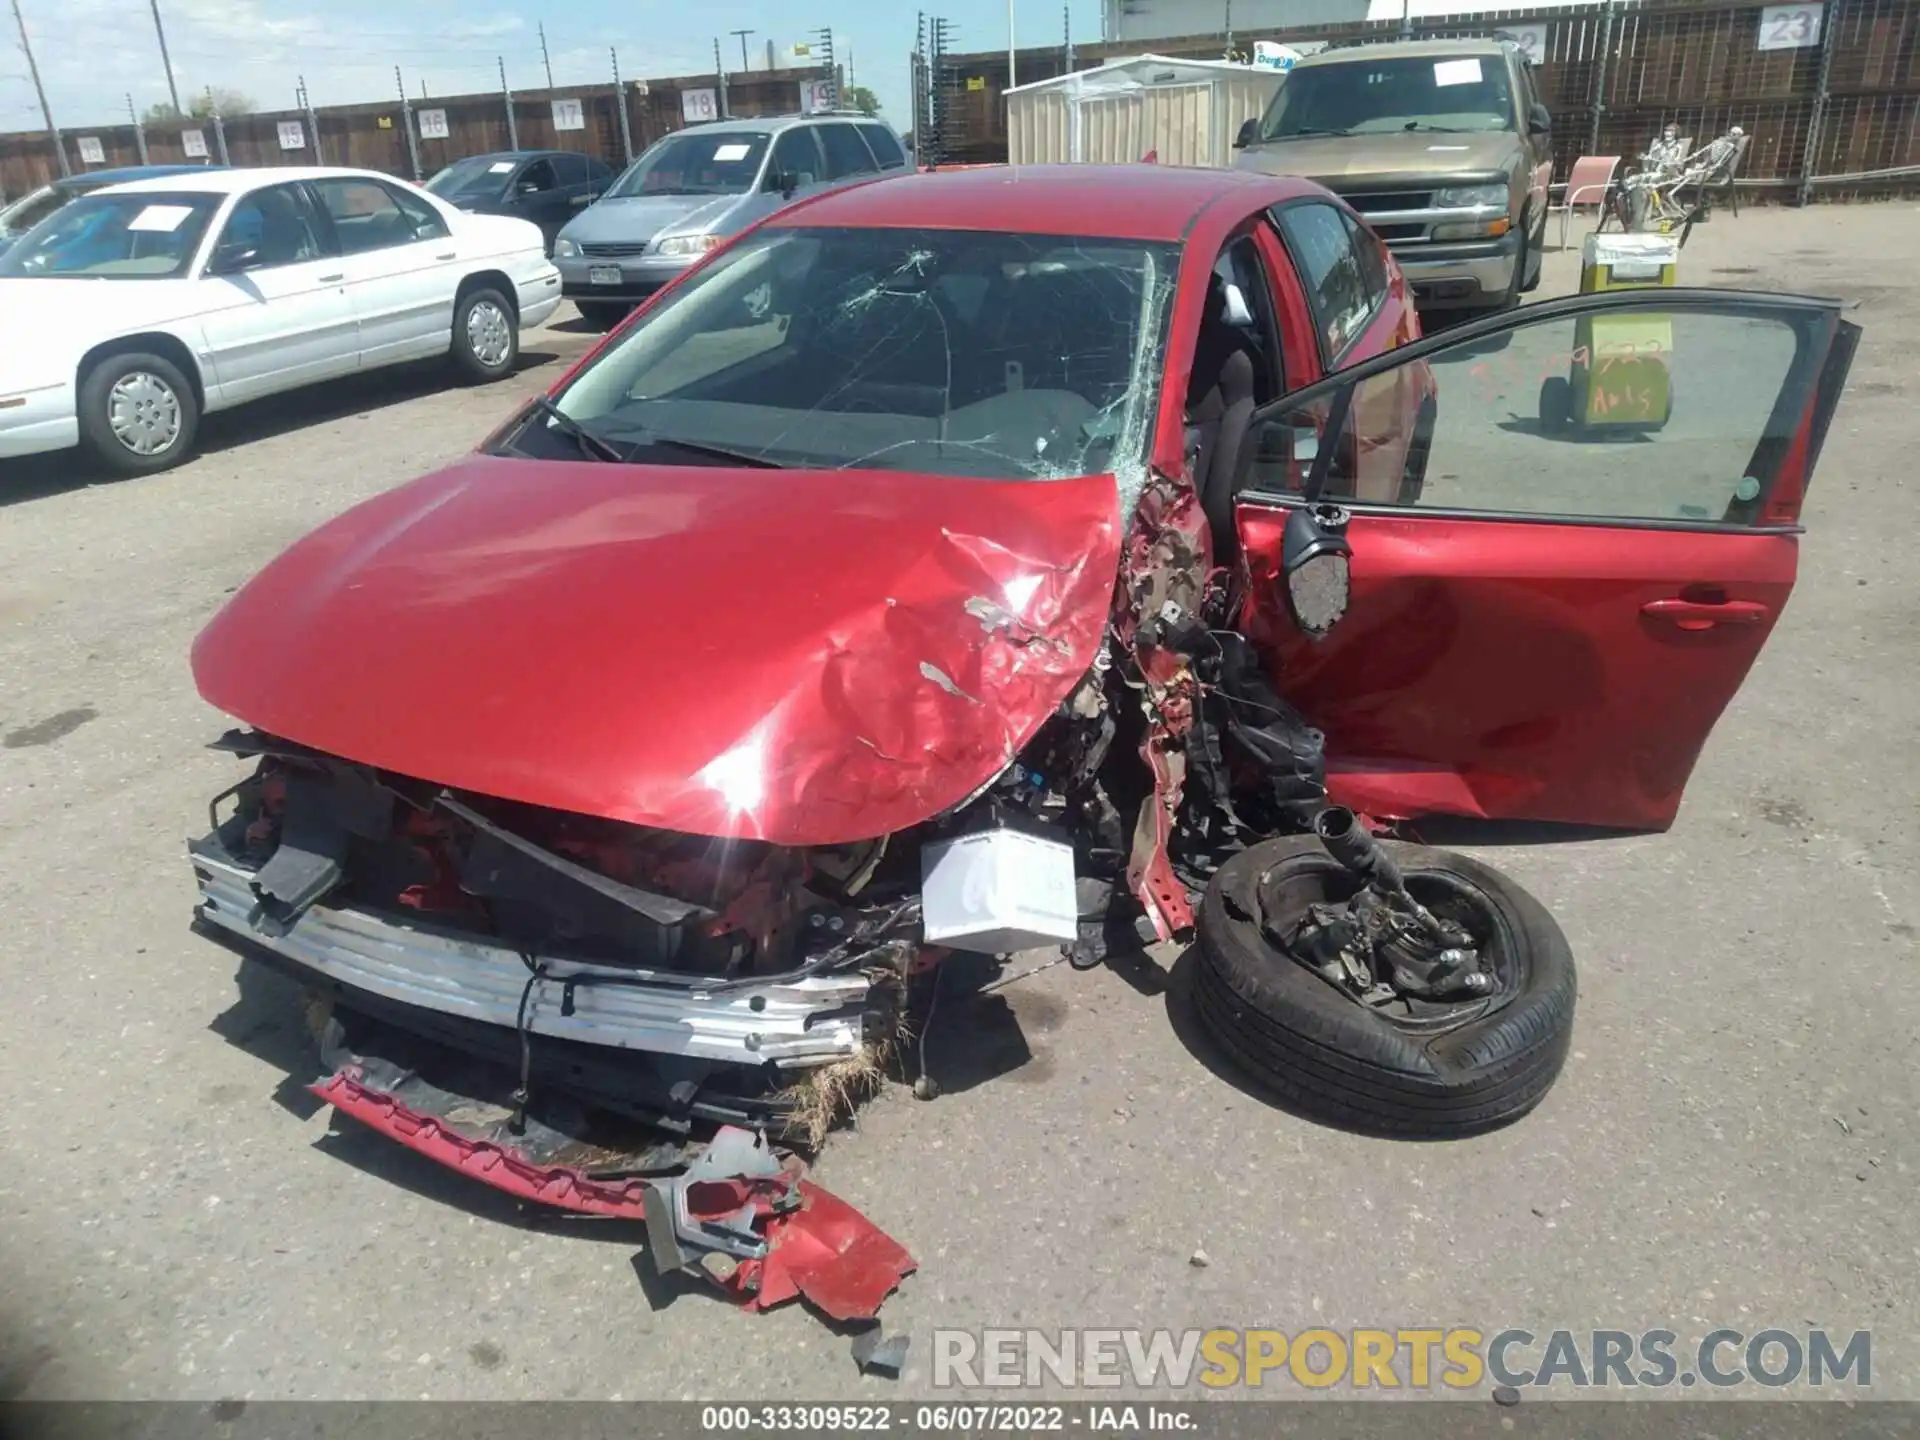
980,561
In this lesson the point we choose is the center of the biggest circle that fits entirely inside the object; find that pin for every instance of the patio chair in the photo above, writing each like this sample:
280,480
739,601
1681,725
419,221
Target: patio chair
1587,184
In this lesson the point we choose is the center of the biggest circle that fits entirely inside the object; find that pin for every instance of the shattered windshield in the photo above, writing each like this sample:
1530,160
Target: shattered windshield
970,353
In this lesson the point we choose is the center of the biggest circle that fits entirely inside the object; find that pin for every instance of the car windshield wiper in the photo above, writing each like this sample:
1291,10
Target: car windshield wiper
590,443
696,447
1437,129
1312,133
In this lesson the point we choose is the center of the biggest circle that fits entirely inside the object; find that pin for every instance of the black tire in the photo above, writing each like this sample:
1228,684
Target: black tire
486,335
602,314
145,399
1532,257
1413,475
1325,1056
1556,405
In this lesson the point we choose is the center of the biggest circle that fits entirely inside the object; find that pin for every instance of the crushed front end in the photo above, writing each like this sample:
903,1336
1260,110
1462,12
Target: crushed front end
667,976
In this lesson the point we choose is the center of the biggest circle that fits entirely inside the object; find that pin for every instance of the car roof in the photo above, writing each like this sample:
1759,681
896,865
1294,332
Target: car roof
124,174
1130,202
758,123
1405,50
497,155
230,182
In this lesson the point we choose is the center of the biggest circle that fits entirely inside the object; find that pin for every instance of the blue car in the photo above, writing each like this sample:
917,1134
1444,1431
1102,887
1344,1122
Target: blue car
36,205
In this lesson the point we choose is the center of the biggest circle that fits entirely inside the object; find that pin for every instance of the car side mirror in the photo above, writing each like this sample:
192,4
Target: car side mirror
1315,561
526,187
1249,132
232,259
1539,120
784,182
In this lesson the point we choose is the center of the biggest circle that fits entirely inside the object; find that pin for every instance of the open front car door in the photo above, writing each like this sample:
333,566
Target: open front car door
1594,530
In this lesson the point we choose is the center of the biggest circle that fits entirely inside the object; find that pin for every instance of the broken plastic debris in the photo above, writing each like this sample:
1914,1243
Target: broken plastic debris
877,1356
783,1236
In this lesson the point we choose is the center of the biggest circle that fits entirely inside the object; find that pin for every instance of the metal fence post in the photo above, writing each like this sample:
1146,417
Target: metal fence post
506,94
620,103
220,138
139,132
1598,99
1817,115
406,119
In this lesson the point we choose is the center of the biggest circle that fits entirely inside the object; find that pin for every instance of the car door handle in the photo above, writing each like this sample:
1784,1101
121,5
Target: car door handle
450,255
333,279
1704,615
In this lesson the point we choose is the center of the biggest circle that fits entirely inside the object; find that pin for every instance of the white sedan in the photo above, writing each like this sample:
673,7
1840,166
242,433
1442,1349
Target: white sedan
135,310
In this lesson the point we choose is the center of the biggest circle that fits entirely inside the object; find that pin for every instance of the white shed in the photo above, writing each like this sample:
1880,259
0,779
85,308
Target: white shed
1183,112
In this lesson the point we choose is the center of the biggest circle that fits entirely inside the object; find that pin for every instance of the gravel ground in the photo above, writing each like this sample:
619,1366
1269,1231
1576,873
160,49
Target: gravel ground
1734,1141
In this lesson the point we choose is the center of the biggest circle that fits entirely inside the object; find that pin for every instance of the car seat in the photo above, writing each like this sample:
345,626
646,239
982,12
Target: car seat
1220,403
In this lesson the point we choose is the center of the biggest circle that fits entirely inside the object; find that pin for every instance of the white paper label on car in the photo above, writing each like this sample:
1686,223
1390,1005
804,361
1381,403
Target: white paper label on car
500,167
1446,147
1457,72
163,218
731,152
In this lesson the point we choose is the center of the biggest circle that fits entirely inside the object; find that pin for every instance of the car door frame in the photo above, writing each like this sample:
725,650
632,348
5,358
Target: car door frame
1784,460
231,380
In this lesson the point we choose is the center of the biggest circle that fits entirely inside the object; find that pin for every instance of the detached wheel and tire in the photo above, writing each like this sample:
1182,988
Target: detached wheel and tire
1453,1070
137,413
486,335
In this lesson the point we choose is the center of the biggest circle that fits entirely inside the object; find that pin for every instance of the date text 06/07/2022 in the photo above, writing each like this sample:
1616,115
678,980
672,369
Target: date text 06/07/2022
939,1419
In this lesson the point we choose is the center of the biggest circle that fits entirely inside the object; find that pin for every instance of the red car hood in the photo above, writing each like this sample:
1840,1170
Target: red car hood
807,658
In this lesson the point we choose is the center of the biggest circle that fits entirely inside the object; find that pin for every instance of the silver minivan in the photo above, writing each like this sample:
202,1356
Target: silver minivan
698,186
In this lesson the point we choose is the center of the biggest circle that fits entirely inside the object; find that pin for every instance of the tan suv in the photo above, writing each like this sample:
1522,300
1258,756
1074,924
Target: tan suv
1444,147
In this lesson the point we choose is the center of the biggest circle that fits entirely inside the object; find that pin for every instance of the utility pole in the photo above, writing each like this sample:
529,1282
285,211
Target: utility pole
53,131
166,60
513,129
139,131
620,100
406,119
544,58
745,63
1011,81
1066,33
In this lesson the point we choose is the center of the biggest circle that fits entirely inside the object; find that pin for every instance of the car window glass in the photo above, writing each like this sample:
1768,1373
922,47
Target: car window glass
796,154
1641,415
598,171
1367,96
365,215
847,153
276,224
1322,248
570,169
143,235
1244,297
886,149
30,215
537,176
426,221
1368,250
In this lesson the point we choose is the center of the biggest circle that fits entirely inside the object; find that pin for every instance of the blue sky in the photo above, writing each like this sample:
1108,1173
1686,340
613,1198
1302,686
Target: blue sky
93,52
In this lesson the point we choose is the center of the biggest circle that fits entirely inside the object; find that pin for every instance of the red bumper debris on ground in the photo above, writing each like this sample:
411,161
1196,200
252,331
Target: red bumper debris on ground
763,1236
